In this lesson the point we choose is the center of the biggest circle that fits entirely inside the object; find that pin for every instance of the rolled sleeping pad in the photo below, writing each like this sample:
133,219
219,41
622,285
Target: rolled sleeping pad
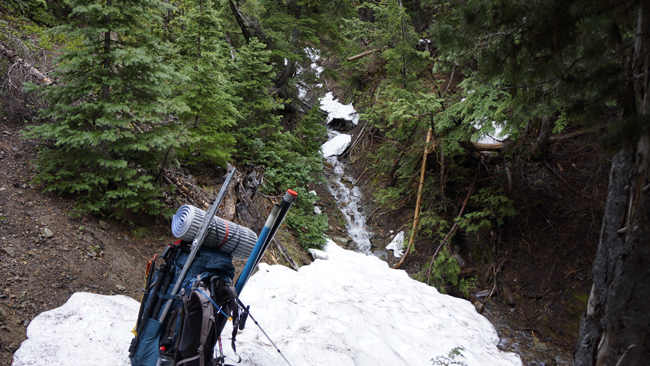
223,235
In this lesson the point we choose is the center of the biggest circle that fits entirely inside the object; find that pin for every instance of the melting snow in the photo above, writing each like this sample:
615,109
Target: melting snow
335,109
351,309
397,245
336,145
89,329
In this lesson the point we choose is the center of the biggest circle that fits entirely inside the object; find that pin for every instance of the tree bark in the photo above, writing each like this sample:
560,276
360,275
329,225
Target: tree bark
241,21
545,131
614,328
107,52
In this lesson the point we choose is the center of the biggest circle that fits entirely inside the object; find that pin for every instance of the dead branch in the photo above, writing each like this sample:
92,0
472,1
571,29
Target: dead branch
416,217
15,59
361,55
350,147
241,21
560,137
480,147
285,254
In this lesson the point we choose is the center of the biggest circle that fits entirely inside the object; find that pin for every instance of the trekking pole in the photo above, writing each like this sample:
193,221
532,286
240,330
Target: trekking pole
256,255
248,268
198,241
267,336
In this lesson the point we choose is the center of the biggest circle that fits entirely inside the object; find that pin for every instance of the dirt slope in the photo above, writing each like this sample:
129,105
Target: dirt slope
46,255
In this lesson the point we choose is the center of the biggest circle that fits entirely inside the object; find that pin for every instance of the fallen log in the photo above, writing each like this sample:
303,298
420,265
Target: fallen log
15,59
486,147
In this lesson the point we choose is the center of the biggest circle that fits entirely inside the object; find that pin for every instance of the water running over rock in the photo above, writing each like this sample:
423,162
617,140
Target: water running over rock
347,195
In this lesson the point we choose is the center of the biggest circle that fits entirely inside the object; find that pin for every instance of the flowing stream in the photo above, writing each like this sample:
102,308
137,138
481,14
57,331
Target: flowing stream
347,195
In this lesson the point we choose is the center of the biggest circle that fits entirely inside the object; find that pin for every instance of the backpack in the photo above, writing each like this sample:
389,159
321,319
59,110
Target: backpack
200,311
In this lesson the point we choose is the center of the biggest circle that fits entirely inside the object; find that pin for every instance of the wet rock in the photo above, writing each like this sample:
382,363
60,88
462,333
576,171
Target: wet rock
460,260
504,342
560,361
341,124
340,240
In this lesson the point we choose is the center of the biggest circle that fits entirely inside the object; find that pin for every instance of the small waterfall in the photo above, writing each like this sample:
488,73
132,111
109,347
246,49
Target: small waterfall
347,195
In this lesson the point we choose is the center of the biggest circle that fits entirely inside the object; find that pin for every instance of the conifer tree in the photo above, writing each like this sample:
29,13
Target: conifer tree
108,118
205,60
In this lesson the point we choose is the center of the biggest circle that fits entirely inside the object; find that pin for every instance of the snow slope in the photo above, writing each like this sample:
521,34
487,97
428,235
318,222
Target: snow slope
351,309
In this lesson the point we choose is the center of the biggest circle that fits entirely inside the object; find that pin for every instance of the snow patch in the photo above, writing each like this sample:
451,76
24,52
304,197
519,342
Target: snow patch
397,245
351,309
88,329
335,109
336,146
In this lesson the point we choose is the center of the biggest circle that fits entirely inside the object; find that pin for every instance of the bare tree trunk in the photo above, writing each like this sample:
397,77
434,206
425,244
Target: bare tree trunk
107,51
545,131
243,24
614,328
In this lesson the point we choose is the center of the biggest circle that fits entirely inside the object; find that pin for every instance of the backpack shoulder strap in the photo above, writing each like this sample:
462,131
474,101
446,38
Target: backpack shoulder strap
207,323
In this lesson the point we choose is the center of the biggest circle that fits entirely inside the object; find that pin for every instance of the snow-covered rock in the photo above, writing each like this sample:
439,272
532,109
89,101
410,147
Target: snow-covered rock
336,146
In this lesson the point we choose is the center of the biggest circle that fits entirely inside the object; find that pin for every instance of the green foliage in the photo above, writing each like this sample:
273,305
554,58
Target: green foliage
450,359
391,32
568,57
250,81
308,225
445,271
108,115
494,207
204,58
141,233
476,114
432,225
